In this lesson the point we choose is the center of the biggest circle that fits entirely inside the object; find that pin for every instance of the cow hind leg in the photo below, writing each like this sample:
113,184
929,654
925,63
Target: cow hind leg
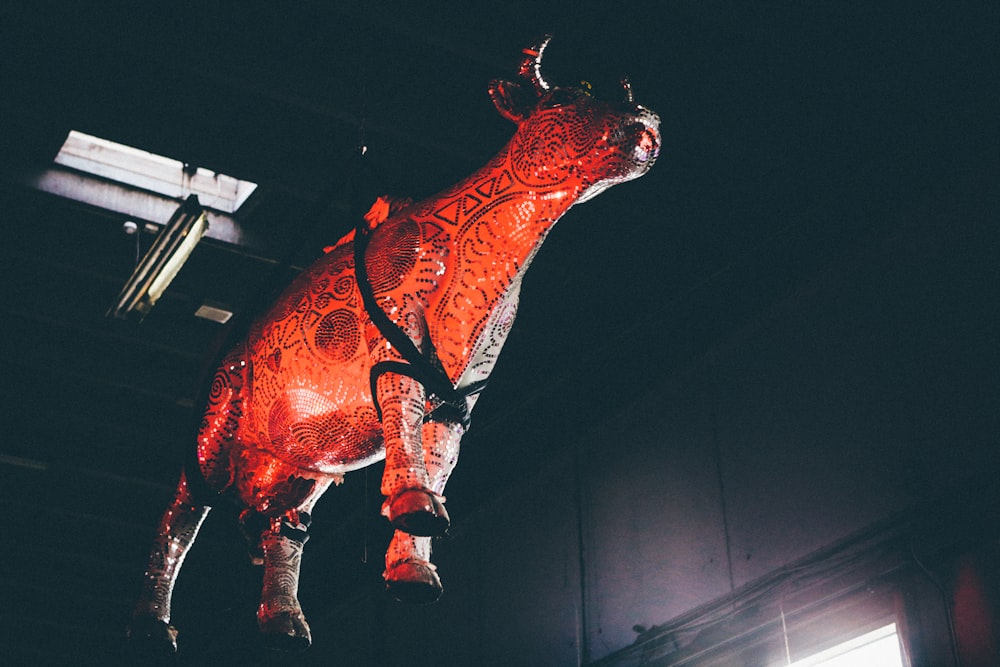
278,499
280,616
150,630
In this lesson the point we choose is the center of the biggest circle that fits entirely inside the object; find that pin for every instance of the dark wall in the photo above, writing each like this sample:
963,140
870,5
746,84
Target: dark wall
863,404
826,201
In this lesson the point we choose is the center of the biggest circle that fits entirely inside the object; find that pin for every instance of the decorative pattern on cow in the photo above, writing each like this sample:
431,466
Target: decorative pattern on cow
324,385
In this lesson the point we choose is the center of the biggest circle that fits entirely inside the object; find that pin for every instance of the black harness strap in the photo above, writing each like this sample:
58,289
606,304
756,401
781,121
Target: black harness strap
418,366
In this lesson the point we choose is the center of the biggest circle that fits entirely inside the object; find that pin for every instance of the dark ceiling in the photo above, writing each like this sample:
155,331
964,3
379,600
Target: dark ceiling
792,134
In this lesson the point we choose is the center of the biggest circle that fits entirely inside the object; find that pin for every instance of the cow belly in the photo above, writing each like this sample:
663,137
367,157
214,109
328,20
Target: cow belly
307,430
316,415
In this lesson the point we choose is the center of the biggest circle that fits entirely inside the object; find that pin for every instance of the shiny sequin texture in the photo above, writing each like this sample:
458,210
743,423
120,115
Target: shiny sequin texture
291,408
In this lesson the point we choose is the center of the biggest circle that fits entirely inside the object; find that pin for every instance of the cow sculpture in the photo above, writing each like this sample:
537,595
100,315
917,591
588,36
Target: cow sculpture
378,350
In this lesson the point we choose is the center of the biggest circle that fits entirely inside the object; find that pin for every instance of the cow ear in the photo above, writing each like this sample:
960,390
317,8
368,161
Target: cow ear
514,101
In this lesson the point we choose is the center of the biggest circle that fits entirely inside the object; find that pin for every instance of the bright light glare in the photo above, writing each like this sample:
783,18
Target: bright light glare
879,648
155,173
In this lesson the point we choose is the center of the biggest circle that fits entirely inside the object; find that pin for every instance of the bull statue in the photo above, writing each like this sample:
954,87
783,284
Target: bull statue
379,349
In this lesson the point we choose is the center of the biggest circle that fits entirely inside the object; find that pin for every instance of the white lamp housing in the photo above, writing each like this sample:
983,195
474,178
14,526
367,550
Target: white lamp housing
158,267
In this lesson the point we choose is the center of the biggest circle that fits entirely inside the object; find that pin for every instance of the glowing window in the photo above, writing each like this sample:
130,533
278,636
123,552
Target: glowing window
155,173
879,648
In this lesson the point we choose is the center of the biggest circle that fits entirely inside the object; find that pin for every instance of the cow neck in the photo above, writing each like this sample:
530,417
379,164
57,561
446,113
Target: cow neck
496,208
492,207
494,213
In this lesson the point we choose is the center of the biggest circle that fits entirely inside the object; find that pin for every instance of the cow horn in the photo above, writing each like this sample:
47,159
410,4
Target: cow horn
531,66
627,85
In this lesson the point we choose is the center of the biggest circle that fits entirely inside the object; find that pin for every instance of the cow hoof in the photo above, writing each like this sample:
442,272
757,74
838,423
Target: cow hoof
149,636
286,631
419,512
413,582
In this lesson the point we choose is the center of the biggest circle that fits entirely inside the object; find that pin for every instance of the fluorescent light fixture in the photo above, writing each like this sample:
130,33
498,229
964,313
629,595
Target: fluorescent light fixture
158,267
151,172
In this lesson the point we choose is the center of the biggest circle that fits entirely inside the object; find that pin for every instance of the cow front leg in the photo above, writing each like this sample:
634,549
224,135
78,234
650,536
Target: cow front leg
409,574
411,504
280,616
150,628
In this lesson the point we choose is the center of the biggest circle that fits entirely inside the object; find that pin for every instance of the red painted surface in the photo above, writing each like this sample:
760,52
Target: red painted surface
291,408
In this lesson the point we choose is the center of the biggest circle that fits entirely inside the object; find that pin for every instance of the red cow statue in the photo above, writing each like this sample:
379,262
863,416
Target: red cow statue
378,350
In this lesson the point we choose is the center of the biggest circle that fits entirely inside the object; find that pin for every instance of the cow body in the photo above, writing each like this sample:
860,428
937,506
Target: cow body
352,366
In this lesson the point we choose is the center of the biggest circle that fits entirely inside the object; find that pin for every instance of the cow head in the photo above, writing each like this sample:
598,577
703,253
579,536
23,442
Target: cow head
567,139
